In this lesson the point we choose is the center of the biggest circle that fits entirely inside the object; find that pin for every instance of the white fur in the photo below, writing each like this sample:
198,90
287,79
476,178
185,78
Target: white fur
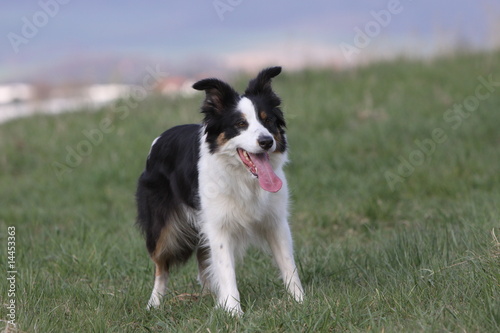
159,289
248,138
152,144
236,212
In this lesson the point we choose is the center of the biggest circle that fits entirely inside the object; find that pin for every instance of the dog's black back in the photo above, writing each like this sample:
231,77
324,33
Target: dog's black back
169,180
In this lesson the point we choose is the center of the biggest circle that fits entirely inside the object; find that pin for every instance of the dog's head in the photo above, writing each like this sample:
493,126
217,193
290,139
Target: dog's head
249,126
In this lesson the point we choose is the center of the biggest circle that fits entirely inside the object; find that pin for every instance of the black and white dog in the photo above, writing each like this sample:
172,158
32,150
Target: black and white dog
217,188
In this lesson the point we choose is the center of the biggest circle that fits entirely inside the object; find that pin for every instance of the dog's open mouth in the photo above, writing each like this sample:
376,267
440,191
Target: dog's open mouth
259,166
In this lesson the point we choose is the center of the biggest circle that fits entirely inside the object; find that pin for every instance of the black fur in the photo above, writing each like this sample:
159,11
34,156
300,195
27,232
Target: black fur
221,100
219,109
259,91
170,179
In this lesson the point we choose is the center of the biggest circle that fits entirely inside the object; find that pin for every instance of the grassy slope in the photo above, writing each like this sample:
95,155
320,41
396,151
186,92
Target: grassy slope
419,258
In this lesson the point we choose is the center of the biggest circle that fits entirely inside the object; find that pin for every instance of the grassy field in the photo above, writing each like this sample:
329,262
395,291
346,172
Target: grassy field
396,212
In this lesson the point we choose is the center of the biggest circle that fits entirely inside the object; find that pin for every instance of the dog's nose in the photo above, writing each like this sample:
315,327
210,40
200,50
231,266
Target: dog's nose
265,142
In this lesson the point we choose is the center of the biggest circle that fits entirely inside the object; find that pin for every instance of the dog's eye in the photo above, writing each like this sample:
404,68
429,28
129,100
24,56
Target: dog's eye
241,124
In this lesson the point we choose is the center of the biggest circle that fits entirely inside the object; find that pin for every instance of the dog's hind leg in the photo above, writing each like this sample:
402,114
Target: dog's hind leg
202,256
174,246
160,285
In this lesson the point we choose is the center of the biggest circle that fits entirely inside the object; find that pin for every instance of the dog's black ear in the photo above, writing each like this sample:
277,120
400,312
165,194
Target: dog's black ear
262,83
219,95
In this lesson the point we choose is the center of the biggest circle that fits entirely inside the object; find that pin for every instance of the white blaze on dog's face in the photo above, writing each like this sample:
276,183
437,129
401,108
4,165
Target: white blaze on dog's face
254,137
248,127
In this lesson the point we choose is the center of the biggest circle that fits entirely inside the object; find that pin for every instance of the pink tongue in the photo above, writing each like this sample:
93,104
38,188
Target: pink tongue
267,178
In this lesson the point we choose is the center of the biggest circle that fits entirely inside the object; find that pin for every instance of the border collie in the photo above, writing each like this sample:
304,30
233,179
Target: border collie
218,187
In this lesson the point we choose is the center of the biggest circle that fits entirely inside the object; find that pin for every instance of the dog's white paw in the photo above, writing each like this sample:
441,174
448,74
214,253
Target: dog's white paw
233,308
236,311
297,292
154,302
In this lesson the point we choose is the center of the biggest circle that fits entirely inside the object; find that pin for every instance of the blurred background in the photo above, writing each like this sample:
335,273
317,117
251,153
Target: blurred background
392,119
56,55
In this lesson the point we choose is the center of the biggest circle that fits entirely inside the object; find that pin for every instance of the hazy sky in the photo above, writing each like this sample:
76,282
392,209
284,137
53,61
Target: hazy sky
37,34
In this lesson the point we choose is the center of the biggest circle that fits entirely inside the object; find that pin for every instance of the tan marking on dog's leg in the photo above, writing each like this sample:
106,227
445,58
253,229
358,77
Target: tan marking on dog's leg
160,286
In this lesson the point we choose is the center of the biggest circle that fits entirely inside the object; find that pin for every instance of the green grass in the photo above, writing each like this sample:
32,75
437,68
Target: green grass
421,257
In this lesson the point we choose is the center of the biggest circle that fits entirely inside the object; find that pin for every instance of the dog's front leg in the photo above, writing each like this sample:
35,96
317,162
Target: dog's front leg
280,241
223,275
